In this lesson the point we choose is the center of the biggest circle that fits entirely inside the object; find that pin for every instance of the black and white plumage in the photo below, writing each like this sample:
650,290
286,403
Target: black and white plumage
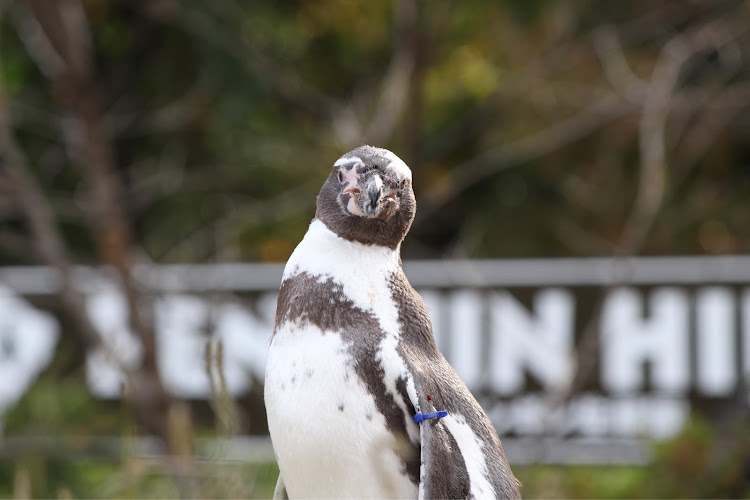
353,359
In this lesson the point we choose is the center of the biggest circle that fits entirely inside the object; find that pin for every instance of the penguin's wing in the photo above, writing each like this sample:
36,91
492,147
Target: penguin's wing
443,473
447,469
280,492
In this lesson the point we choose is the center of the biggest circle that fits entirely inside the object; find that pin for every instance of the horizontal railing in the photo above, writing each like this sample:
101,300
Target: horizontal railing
588,271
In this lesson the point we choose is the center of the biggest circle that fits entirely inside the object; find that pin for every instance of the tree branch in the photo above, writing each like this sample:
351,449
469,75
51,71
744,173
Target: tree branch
41,222
88,145
395,86
536,145
659,99
615,66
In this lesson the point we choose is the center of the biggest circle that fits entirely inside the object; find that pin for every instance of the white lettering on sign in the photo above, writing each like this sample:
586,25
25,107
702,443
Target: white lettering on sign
466,327
540,344
184,325
28,338
108,313
655,346
716,341
590,416
629,340
246,335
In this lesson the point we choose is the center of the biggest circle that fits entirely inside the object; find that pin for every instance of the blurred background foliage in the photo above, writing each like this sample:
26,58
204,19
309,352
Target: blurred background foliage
184,131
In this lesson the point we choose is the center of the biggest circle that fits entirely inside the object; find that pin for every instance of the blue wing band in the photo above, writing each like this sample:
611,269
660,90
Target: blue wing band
419,417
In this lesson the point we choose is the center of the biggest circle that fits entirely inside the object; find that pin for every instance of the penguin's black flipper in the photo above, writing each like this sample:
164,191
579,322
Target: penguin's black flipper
443,473
461,453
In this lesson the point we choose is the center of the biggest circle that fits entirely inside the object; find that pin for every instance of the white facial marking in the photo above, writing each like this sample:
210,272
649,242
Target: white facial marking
397,166
348,170
349,175
354,208
471,450
343,161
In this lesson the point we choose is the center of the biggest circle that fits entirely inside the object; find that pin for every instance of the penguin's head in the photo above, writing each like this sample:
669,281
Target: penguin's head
368,197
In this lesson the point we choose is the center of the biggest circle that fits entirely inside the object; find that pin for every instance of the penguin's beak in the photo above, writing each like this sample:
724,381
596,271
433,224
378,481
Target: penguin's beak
374,192
374,197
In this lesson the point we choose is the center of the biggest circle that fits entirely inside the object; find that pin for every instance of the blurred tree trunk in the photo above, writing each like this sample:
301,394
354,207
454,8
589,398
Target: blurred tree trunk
59,40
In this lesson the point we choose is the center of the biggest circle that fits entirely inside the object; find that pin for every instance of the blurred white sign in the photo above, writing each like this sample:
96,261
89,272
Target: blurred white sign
184,325
28,338
681,328
496,344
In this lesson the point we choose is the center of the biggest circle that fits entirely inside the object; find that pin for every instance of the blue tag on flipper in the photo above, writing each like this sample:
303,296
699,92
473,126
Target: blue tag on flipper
419,417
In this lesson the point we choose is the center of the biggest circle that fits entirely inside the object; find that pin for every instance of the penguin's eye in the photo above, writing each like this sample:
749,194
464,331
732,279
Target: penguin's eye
403,183
342,178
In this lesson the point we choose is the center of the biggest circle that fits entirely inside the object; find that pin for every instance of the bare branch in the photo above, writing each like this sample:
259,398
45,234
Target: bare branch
657,104
174,115
659,99
395,85
580,240
222,403
63,24
710,125
45,235
345,125
88,145
226,228
47,59
592,117
651,184
615,65
491,162
248,51
14,243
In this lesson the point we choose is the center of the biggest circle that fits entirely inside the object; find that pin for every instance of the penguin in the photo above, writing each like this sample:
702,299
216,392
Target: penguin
360,401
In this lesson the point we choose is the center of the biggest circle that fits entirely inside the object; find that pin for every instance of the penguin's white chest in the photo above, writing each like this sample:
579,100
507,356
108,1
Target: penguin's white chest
329,437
